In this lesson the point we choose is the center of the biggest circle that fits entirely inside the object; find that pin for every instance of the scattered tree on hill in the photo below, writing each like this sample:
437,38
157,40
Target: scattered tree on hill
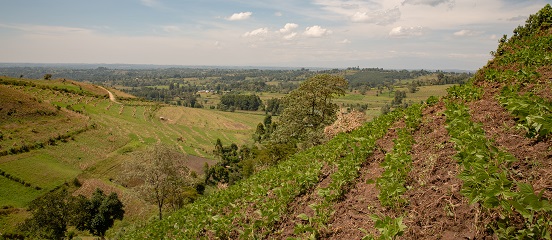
412,87
98,214
309,109
160,169
399,96
47,76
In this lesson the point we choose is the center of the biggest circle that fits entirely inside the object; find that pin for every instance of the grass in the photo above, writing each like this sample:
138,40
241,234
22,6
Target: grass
40,170
15,195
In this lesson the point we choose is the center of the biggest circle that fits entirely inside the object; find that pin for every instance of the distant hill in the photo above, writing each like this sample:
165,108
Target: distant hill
475,164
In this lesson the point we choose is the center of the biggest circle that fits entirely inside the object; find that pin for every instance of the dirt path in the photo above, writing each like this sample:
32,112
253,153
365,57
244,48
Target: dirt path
111,95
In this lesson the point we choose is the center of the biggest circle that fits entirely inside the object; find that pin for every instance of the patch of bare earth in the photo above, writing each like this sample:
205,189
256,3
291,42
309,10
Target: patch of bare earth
436,209
534,157
196,163
544,88
353,213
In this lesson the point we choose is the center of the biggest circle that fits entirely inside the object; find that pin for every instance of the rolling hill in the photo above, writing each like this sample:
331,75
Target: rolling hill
55,131
475,164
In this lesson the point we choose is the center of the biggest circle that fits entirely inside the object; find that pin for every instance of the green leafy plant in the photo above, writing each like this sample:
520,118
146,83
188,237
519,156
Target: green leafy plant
534,114
486,181
389,228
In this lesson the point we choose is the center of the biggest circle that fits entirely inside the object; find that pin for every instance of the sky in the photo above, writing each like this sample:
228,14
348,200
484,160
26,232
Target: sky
391,34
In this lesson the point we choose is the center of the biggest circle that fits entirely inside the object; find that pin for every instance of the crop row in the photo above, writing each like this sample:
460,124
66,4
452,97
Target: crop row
534,114
51,141
486,180
18,180
392,183
353,151
466,92
250,208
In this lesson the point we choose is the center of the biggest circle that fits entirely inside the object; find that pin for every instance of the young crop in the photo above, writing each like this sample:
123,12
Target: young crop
486,180
467,92
397,163
353,150
534,113
389,228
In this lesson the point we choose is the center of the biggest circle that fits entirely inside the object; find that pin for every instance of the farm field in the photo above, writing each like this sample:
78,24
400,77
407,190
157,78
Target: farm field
474,164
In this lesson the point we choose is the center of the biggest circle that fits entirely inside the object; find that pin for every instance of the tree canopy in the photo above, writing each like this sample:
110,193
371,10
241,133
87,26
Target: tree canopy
309,108
53,212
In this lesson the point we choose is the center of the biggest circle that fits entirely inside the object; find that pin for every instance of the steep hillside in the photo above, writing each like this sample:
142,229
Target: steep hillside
476,164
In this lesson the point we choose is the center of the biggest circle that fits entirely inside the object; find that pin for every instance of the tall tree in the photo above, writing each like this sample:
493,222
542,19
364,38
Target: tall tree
160,169
309,108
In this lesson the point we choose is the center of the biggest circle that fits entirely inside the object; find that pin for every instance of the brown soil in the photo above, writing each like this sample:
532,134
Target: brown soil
436,208
353,213
287,223
534,157
545,88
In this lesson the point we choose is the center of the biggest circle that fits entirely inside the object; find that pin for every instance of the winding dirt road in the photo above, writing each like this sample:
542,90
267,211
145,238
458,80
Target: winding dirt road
111,95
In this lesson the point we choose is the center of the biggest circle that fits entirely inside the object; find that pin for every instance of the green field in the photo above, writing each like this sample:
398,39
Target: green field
97,152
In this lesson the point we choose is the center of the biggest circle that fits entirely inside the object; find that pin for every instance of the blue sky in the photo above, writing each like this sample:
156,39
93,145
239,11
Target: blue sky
405,34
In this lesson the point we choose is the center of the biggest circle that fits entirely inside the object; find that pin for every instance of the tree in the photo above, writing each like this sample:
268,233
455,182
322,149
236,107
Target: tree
399,96
413,87
50,216
309,108
47,76
98,214
160,169
53,212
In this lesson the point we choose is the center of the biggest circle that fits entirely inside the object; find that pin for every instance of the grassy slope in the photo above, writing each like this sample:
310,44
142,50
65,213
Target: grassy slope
94,155
435,197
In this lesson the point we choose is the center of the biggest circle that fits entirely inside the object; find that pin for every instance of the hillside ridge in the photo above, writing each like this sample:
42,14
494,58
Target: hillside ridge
475,164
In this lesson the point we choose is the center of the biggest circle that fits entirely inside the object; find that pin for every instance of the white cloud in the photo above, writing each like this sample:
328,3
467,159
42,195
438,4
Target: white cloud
289,27
467,33
278,14
406,32
171,29
290,36
432,3
317,31
518,18
345,41
47,30
239,16
386,17
259,32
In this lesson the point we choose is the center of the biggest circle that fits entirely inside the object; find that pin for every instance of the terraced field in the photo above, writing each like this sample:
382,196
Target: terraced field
55,131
